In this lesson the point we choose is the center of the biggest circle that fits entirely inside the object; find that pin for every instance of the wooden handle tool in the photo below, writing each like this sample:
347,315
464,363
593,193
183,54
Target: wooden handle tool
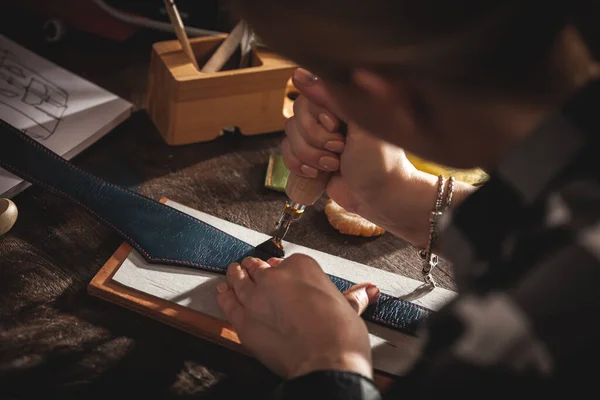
306,191
302,192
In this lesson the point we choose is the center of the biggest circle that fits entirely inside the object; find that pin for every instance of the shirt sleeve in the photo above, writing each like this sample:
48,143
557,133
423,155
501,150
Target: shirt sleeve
328,385
536,339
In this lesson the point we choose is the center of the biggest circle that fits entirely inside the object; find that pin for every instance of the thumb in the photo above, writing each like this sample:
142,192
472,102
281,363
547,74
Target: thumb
312,87
361,296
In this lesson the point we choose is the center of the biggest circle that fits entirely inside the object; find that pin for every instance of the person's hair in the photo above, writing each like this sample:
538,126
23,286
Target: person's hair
504,45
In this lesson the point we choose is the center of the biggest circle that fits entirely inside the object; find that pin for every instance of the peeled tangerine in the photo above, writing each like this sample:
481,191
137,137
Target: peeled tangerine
349,223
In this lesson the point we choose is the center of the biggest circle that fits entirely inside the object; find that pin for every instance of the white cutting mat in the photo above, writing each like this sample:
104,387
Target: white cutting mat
393,352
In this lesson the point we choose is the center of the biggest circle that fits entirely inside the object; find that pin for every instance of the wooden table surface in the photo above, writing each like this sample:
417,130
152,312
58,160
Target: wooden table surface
56,340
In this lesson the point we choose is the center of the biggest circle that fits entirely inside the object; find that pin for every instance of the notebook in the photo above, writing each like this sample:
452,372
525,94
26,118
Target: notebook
59,109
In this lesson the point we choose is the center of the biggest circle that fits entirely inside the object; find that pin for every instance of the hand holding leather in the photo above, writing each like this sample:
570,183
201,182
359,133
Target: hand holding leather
294,320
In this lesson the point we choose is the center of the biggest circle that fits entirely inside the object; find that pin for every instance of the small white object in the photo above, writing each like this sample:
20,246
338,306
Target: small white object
8,215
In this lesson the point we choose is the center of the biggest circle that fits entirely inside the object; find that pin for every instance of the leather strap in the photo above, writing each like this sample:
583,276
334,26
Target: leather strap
162,234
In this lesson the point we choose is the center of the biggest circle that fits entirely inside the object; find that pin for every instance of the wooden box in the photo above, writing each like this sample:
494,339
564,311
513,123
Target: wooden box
188,106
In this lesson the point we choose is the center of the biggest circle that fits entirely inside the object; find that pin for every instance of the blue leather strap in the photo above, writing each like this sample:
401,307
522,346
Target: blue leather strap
162,234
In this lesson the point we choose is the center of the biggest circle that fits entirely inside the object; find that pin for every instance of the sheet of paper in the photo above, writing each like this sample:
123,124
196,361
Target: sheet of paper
61,110
393,352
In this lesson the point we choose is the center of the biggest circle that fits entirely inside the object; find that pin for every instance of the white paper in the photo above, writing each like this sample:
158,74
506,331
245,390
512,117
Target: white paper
393,352
59,109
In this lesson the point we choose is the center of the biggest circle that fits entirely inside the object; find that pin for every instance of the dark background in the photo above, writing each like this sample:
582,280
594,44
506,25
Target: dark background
56,341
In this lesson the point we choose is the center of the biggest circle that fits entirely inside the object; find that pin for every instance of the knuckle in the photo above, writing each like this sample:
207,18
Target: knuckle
311,130
299,104
299,258
302,262
289,126
361,298
262,272
289,159
230,271
303,143
354,300
358,299
307,121
242,294
304,154
267,278
292,163
270,277
274,260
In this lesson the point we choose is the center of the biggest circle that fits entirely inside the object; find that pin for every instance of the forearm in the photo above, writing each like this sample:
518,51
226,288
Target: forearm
405,213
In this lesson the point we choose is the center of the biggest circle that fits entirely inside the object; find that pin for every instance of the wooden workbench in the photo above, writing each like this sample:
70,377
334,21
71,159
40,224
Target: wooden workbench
59,342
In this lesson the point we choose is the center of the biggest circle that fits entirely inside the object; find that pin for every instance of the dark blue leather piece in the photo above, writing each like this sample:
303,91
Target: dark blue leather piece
389,310
160,233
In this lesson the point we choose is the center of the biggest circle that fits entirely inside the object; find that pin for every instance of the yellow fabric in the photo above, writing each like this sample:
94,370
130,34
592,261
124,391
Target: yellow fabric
471,176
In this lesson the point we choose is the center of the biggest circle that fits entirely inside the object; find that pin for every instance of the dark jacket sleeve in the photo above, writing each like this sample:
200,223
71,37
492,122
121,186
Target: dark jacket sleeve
328,385
534,340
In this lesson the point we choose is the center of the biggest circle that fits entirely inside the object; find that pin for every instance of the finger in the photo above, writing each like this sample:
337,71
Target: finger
318,126
241,283
314,89
255,267
302,265
273,262
229,304
361,296
294,164
308,155
329,121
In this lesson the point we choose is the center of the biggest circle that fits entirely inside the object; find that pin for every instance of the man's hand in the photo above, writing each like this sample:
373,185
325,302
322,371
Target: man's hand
294,320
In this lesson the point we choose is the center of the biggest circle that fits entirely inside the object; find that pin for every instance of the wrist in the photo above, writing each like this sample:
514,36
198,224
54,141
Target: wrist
420,195
346,362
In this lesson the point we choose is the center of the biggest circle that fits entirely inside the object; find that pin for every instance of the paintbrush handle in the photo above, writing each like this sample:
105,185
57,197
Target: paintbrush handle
180,32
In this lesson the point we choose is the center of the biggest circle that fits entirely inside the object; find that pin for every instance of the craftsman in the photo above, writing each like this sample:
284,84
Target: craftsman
507,85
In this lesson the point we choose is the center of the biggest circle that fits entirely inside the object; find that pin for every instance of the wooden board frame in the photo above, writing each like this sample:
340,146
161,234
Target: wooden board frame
193,322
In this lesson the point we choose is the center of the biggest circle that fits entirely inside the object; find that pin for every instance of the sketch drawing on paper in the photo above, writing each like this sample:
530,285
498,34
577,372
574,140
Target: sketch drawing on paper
30,94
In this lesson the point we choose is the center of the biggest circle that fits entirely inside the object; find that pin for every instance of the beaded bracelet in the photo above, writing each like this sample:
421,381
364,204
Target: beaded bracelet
442,204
